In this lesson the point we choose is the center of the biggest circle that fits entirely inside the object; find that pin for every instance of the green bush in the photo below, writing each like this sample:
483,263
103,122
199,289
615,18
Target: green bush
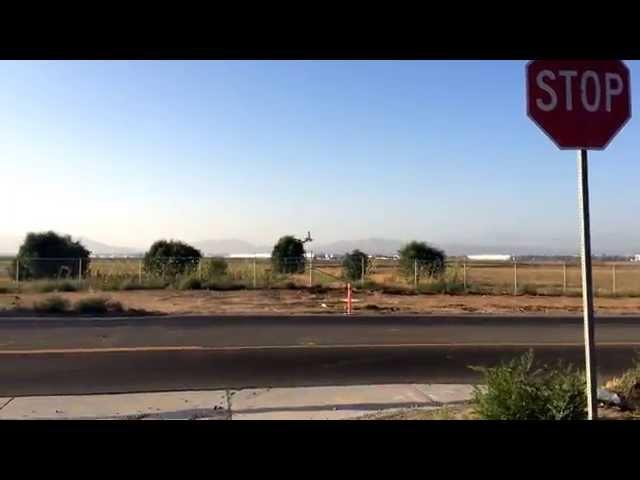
429,260
49,255
355,265
518,391
190,283
97,305
171,258
288,255
622,385
54,304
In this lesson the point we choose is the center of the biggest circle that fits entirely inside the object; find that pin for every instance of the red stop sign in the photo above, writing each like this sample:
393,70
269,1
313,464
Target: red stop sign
579,104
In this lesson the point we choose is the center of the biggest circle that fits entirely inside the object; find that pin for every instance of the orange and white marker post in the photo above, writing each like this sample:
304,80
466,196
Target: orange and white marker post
349,300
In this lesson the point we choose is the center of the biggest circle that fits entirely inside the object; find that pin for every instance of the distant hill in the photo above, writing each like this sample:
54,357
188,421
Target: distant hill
9,245
385,246
98,248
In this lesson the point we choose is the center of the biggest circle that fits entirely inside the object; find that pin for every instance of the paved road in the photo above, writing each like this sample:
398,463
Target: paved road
82,355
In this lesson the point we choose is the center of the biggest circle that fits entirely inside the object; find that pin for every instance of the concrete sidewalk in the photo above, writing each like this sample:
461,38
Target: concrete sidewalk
302,403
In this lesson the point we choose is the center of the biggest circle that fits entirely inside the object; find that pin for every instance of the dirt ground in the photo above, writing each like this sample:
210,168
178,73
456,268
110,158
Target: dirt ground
465,412
305,301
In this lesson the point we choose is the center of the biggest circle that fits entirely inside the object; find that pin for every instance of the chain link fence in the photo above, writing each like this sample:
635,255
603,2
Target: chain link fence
459,277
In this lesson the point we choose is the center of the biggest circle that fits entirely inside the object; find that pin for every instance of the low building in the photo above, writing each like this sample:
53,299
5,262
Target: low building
249,255
490,258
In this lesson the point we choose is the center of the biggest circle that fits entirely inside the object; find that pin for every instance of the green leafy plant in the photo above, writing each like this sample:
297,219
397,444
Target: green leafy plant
170,258
288,255
49,255
355,265
625,384
53,304
97,305
428,261
517,390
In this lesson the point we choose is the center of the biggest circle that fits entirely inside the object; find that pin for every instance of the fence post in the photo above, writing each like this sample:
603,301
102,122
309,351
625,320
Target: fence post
140,272
515,277
415,273
564,278
464,276
614,278
80,269
254,273
17,270
311,271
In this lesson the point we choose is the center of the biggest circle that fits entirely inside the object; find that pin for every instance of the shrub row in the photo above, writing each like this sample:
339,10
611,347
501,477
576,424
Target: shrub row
90,305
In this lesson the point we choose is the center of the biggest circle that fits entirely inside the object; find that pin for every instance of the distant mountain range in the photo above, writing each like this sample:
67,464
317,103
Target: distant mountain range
98,248
374,246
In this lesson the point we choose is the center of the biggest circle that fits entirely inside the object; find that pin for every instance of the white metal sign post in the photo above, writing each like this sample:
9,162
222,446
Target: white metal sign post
581,105
587,286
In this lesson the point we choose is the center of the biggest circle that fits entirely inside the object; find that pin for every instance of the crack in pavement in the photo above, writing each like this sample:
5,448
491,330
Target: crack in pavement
7,403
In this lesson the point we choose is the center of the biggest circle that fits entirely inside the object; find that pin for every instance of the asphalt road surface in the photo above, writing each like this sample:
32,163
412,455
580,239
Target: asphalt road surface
46,356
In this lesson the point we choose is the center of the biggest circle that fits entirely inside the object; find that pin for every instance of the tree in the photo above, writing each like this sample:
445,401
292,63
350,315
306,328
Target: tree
430,260
288,255
171,257
49,255
355,265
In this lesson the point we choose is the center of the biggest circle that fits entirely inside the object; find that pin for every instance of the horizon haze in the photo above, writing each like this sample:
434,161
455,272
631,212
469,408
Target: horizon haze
372,245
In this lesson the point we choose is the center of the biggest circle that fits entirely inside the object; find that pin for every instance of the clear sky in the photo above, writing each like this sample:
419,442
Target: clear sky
128,152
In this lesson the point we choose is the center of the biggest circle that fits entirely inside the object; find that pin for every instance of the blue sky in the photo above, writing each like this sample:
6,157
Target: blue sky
128,152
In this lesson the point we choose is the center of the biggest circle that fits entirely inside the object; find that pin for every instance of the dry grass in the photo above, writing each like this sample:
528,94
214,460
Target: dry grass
486,278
